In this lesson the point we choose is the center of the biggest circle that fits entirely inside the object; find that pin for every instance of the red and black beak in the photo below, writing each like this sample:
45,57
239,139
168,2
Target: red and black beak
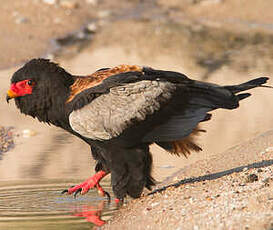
10,94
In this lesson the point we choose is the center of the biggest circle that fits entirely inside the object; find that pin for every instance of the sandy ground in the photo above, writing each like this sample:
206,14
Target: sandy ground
166,41
232,190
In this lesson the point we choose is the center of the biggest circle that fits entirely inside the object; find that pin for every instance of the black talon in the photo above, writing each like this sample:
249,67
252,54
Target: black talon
64,191
120,203
75,194
108,196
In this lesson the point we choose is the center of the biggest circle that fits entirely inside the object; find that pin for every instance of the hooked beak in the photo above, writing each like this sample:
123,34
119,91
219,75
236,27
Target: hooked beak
10,95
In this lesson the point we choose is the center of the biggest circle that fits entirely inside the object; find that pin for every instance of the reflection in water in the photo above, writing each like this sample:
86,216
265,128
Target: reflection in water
92,213
41,206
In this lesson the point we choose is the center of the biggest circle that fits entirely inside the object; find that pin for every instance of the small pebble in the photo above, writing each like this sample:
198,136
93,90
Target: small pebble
92,2
28,133
50,56
155,204
15,13
269,149
183,212
69,4
104,13
57,20
68,12
267,181
145,212
50,2
92,27
208,2
252,178
166,166
80,35
195,227
21,20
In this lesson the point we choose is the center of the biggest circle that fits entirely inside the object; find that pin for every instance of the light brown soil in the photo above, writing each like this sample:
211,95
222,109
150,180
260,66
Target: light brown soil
232,190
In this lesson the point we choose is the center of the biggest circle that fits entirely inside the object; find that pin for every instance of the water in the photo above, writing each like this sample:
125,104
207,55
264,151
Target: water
35,172
40,205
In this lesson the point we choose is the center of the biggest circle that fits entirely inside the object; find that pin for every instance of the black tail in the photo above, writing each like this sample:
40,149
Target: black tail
258,82
248,85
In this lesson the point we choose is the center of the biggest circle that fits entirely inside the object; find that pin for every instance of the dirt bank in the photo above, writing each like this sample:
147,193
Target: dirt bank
232,190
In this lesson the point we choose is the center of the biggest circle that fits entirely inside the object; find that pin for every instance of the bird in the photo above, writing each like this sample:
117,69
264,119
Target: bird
119,112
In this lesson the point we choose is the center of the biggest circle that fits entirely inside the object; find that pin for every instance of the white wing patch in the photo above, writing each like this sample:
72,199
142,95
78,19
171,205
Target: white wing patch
110,114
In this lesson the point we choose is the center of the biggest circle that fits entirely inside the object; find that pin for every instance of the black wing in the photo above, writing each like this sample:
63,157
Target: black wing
161,106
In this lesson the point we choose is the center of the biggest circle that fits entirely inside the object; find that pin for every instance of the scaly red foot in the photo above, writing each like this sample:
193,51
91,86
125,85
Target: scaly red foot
90,183
119,202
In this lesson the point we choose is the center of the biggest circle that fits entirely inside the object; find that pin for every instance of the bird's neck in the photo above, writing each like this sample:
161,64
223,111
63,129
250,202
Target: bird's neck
56,110
59,112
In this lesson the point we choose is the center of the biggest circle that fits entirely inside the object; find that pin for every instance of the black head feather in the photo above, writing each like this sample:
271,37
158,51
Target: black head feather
51,90
39,69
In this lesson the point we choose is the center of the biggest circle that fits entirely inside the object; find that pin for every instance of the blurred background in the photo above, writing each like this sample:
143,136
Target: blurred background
220,41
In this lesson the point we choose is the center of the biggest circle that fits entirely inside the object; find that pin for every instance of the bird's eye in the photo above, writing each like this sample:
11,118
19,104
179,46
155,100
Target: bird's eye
30,82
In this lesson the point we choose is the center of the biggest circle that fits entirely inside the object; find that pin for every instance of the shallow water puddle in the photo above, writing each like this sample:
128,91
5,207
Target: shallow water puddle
42,206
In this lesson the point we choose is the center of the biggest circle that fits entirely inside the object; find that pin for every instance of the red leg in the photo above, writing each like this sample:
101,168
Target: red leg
90,183
119,202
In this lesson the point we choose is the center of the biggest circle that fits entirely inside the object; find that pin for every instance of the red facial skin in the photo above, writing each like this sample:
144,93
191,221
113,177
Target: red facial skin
22,88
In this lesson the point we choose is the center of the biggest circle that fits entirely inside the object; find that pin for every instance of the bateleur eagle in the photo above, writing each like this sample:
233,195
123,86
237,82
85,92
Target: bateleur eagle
120,111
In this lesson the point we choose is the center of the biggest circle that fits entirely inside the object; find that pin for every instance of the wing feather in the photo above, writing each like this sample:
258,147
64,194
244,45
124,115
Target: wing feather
110,114
87,82
148,106
178,126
